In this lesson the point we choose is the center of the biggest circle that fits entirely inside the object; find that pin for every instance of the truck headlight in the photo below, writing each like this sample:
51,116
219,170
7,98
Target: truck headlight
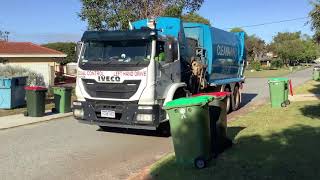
144,117
76,103
78,113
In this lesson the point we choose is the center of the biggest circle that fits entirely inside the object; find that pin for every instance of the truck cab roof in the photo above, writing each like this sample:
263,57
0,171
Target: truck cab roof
118,35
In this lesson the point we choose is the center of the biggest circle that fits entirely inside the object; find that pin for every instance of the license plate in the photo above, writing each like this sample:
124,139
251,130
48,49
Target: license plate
108,114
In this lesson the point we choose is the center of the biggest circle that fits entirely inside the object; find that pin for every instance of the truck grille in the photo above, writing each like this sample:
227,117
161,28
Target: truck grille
123,90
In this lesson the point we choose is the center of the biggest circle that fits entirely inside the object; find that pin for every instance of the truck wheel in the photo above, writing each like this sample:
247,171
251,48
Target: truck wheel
228,107
236,96
179,94
164,129
104,128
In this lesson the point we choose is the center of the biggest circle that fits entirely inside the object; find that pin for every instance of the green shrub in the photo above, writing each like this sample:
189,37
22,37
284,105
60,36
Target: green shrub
34,79
277,63
255,65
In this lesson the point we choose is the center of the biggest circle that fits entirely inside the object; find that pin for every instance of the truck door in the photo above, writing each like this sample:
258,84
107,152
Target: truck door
168,66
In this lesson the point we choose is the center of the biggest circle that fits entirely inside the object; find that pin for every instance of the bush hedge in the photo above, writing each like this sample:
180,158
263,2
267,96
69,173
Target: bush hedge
278,63
34,79
255,65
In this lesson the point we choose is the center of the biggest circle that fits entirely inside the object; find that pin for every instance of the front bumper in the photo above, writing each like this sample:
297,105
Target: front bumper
127,114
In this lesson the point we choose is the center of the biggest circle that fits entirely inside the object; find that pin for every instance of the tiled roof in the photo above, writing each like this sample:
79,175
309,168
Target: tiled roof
27,49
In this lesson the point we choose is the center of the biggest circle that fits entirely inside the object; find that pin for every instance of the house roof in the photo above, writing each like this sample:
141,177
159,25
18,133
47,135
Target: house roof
27,49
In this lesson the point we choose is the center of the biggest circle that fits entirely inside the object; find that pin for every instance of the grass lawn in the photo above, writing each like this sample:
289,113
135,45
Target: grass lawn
310,87
271,73
269,144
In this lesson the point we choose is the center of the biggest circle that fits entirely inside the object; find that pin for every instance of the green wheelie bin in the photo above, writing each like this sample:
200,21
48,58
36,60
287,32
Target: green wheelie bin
316,73
286,89
36,101
190,130
218,122
279,92
62,99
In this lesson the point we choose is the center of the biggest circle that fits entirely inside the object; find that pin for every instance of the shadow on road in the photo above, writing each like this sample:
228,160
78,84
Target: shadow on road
247,98
162,131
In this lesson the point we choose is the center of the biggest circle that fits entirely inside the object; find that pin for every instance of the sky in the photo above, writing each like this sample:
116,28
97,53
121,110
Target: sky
43,21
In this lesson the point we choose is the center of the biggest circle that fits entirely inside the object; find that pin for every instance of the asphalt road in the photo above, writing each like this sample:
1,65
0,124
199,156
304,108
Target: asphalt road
66,149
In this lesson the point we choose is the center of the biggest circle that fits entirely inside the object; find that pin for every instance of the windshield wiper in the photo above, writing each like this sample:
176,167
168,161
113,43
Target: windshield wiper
113,58
94,61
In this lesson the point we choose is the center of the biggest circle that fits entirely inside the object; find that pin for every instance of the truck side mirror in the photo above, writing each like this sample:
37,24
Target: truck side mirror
78,49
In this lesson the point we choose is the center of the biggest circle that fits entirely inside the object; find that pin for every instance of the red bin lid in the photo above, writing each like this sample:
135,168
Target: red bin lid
35,88
216,94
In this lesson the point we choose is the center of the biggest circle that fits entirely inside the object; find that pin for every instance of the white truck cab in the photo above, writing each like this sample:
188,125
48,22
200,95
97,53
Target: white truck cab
125,77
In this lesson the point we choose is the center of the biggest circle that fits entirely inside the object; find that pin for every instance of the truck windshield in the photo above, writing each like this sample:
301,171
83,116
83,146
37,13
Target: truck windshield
117,52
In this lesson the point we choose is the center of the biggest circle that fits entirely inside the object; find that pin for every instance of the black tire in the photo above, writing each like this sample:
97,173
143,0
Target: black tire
236,95
54,110
284,104
288,102
229,104
164,129
200,163
105,128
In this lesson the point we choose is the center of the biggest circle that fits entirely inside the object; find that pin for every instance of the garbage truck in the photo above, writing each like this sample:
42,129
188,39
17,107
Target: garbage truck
125,77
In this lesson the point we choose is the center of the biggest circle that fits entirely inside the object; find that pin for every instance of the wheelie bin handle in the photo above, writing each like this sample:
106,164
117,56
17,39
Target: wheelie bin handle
291,89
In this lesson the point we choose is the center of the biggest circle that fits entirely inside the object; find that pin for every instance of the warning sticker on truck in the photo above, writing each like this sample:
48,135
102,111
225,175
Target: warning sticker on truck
96,74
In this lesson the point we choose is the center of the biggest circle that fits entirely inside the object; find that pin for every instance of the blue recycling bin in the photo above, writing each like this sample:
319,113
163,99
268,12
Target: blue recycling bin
12,92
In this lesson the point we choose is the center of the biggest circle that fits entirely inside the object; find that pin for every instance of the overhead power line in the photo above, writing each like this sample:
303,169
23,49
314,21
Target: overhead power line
273,22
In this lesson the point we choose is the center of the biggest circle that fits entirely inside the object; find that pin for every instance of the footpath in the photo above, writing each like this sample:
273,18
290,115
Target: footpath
17,120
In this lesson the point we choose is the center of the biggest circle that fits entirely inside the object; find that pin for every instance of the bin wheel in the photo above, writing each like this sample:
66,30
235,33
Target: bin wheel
284,104
25,113
54,110
288,102
200,163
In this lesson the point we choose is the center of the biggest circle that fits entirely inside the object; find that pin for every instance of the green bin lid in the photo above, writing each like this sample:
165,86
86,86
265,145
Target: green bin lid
187,102
62,87
278,79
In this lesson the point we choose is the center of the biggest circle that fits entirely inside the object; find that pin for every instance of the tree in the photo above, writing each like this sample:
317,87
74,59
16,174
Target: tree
65,47
194,17
116,14
315,19
310,50
286,36
294,47
255,47
237,29
287,46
